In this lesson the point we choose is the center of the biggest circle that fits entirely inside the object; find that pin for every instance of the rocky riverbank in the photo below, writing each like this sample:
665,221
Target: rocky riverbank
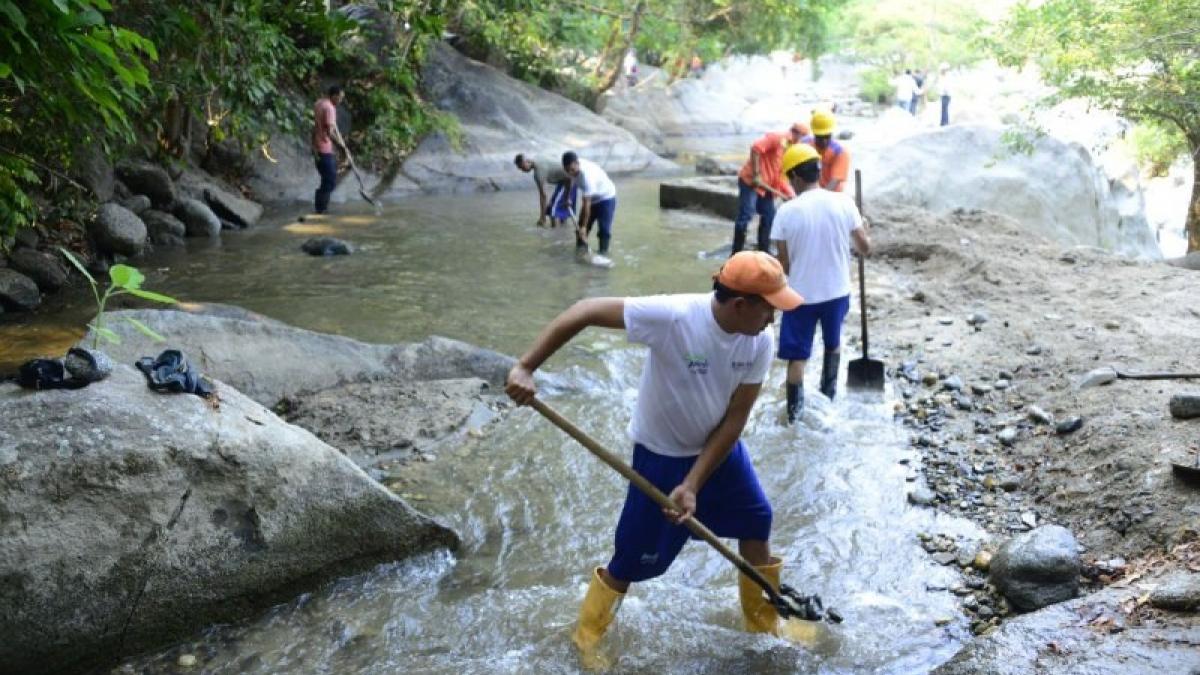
989,331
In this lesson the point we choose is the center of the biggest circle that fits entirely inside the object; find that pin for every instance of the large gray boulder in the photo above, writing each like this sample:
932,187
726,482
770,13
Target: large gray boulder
93,170
1037,568
1058,640
215,512
116,229
164,228
17,291
47,270
501,116
1058,191
222,199
148,179
197,218
269,360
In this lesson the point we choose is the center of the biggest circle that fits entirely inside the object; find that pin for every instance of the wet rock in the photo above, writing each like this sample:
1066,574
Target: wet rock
964,557
977,319
1033,350
1069,426
1010,483
952,383
1112,325
116,229
929,379
1185,406
229,206
1039,416
90,167
981,389
1002,385
1097,377
1007,436
946,320
164,229
982,560
921,496
944,558
137,203
148,179
709,166
47,270
322,246
17,291
1179,591
197,218
963,402
1037,568
91,365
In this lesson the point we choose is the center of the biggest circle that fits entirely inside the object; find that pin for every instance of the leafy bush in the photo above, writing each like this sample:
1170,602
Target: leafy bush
123,280
876,85
1156,147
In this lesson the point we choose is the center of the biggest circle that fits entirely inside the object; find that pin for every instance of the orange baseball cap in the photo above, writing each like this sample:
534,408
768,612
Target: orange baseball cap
759,273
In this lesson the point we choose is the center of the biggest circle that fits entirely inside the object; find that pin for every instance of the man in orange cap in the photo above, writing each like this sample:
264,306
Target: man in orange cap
760,181
709,355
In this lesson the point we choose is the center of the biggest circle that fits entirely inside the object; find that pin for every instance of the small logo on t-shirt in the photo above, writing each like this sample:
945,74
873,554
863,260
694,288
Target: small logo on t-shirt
697,363
741,365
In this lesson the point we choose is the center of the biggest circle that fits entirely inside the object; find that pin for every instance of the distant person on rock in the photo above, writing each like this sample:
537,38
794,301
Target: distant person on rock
906,89
813,236
835,158
599,197
561,203
697,67
919,81
325,134
946,86
760,182
709,354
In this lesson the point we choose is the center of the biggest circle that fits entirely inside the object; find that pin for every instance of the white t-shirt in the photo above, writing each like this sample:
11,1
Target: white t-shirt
594,183
816,227
692,371
905,86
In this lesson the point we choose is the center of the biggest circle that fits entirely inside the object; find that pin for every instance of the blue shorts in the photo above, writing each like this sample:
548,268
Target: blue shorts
798,327
731,504
562,201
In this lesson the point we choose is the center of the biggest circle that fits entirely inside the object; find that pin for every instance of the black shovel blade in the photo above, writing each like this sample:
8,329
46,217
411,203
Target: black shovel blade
864,375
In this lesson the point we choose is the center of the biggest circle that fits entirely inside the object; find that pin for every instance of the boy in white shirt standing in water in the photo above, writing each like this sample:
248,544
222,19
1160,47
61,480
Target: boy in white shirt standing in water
709,355
812,236
599,200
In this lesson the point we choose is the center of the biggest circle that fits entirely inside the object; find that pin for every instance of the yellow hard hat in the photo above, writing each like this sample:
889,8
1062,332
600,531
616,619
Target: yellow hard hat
822,123
797,154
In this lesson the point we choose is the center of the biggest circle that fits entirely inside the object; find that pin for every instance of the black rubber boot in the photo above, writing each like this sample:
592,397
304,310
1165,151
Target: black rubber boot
829,373
739,241
795,402
604,245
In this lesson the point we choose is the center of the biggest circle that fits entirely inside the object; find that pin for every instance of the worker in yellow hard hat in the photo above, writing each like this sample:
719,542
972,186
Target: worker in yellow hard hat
813,236
835,158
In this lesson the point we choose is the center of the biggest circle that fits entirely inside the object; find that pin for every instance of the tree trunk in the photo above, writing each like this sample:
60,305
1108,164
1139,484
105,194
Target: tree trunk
635,25
1193,217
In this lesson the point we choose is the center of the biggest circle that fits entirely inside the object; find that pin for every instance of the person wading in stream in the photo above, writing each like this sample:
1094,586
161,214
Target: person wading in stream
325,134
599,200
759,182
709,355
835,158
812,239
561,203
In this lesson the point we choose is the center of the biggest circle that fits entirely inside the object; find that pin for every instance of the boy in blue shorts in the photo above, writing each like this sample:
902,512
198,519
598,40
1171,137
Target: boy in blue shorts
709,355
813,234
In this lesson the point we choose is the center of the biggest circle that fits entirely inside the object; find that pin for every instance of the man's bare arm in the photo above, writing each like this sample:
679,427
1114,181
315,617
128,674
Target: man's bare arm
600,312
716,448
781,252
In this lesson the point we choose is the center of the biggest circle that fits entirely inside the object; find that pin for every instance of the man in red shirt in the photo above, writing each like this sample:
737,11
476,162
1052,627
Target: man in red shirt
835,158
325,134
760,181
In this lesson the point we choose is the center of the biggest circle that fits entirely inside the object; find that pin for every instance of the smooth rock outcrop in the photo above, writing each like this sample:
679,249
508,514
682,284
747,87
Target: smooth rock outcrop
148,179
47,270
1058,640
17,291
214,512
198,220
116,229
1037,568
716,194
269,360
223,200
1058,191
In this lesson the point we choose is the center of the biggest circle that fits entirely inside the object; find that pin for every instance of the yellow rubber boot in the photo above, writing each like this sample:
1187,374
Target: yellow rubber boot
597,612
759,615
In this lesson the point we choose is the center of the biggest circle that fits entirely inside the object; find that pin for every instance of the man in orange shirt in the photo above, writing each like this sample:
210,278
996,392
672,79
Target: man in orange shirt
760,181
835,159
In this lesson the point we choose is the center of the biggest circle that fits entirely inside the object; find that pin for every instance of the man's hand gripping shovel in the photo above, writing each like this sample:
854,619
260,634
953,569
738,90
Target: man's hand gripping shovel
801,614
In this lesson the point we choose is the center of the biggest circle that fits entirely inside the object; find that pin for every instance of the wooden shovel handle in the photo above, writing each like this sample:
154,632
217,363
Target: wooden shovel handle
862,268
697,528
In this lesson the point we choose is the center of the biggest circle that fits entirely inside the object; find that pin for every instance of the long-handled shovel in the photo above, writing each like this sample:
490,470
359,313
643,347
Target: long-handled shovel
865,374
362,188
787,601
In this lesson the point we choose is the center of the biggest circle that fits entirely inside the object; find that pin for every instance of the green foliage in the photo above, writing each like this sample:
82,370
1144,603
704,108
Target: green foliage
1156,147
123,280
897,34
875,85
67,76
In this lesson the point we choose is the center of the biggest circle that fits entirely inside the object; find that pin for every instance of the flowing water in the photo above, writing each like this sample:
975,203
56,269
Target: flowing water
535,511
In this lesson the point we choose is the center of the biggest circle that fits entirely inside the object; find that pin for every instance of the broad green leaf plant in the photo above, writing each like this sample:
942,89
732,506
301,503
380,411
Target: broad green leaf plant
123,280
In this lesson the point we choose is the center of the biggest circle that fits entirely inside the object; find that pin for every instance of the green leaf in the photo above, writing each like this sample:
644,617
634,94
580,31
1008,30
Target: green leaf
151,295
5,70
78,265
107,335
146,330
126,277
